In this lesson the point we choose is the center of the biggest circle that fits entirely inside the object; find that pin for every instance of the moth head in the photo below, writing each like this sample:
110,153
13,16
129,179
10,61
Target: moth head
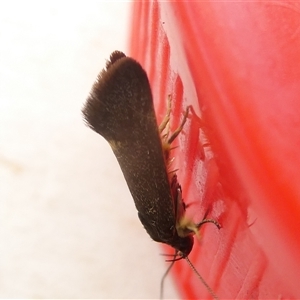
183,245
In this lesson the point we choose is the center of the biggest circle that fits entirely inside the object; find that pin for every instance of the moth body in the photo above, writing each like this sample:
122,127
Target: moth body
120,108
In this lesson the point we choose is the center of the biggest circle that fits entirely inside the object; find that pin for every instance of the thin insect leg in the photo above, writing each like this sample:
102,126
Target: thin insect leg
161,296
166,119
178,130
204,220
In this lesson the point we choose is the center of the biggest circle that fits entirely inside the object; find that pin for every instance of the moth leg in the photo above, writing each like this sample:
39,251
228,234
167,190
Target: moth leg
187,226
205,220
166,119
208,221
165,125
179,128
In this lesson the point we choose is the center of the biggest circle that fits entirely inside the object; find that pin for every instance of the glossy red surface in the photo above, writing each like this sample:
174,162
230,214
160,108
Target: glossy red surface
238,65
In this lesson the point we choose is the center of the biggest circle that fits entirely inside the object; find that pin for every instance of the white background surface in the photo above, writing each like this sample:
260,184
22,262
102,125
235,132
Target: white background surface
68,225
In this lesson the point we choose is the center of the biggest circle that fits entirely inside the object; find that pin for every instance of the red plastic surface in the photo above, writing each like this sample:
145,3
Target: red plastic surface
238,65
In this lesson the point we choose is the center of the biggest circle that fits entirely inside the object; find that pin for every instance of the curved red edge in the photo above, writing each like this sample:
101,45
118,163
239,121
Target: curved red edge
236,63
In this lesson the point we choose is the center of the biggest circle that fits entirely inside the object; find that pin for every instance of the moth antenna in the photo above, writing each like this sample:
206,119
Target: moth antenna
161,294
201,279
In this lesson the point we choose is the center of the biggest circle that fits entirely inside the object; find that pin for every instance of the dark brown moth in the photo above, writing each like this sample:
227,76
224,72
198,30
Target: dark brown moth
120,108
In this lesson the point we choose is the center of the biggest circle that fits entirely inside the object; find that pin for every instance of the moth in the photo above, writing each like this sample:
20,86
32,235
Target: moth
120,108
